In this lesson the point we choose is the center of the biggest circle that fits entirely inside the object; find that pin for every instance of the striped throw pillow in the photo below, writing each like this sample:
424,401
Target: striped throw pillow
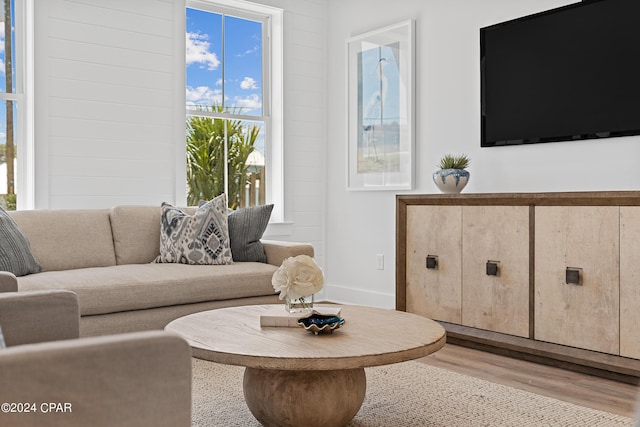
15,251
246,227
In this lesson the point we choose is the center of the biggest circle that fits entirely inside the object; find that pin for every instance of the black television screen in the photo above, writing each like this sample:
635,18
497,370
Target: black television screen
565,74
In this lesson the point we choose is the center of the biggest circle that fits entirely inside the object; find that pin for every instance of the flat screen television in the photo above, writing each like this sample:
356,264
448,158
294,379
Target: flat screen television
570,73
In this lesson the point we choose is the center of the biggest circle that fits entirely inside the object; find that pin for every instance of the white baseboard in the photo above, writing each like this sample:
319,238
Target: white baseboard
345,295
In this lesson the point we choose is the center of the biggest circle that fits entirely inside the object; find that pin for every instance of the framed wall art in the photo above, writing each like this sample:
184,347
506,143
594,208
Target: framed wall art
380,80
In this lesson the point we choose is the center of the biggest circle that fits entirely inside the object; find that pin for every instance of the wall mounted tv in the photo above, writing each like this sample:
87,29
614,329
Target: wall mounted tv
569,73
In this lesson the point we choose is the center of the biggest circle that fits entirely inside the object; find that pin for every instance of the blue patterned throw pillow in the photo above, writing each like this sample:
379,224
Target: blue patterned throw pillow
201,238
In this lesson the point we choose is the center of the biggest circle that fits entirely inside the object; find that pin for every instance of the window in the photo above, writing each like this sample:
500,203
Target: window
233,125
13,148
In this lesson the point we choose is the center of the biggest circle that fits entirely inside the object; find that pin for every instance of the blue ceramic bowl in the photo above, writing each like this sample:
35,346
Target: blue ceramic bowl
317,323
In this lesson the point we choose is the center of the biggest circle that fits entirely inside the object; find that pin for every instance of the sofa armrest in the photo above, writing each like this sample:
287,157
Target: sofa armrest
8,282
137,379
38,316
278,251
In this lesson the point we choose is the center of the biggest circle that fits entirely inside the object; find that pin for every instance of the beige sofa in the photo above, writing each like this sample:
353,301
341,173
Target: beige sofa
106,257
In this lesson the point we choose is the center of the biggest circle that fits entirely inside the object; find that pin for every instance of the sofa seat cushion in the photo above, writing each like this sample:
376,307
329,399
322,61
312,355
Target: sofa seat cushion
126,287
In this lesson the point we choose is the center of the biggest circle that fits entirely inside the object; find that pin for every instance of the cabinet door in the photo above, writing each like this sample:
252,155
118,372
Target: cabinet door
585,315
435,231
629,282
498,302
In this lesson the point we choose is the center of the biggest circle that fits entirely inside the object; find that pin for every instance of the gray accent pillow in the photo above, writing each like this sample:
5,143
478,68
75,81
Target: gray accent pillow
201,238
246,227
15,250
2,343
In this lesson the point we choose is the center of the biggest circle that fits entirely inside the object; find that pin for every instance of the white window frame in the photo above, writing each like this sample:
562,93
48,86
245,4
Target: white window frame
272,92
23,98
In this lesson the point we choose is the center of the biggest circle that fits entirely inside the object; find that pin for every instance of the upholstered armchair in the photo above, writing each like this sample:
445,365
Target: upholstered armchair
49,376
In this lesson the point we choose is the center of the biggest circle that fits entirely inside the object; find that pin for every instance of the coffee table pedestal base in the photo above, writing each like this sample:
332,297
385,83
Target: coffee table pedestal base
304,398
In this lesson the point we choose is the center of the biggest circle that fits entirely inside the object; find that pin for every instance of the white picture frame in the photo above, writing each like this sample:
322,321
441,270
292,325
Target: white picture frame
380,108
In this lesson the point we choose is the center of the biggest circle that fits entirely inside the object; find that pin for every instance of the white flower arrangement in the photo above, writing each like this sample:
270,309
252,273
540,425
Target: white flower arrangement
298,277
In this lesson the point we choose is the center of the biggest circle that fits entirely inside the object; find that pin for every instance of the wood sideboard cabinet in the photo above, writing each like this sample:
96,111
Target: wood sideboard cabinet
548,277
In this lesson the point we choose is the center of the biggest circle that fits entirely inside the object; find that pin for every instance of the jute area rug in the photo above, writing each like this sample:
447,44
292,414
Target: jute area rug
408,394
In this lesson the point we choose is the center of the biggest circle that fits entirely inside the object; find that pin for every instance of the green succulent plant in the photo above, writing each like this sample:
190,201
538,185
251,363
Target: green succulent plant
449,161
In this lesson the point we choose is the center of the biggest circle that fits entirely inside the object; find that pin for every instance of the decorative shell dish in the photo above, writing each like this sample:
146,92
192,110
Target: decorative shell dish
317,322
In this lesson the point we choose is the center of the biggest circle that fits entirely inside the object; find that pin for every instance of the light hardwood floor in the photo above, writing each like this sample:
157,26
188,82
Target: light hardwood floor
580,389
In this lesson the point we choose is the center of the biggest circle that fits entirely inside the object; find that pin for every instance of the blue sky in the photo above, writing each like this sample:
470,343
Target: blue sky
242,61
3,107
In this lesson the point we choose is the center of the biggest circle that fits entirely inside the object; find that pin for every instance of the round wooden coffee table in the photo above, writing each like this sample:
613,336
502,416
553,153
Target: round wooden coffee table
294,377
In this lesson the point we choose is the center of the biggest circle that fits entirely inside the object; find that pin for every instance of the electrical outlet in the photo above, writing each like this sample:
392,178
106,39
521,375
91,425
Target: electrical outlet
380,262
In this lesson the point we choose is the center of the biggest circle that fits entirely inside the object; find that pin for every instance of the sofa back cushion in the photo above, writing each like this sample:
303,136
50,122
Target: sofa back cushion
67,239
136,233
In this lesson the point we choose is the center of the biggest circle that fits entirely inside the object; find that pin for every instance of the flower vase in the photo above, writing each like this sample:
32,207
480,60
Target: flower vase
301,305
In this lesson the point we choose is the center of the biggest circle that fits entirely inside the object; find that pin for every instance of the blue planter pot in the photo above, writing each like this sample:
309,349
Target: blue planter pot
451,180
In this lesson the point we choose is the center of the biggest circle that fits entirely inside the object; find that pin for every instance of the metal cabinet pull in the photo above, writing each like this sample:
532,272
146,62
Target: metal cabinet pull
573,276
432,262
492,268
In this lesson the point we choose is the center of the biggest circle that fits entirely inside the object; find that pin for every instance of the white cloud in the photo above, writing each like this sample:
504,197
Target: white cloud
203,95
2,50
206,96
254,49
198,51
248,83
251,102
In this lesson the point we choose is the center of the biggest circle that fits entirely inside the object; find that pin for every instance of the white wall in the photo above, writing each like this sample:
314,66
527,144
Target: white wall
110,117
107,102
361,225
